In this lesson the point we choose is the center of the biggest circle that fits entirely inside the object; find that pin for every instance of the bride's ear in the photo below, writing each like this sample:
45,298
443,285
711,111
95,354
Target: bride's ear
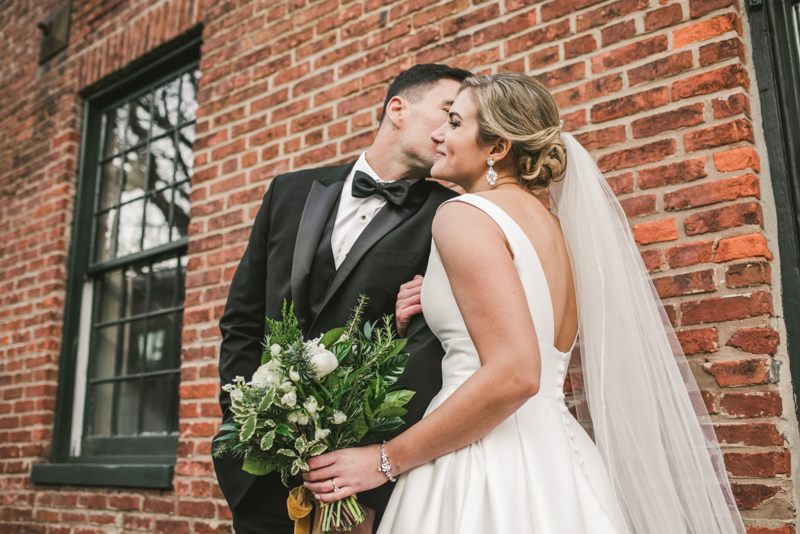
500,149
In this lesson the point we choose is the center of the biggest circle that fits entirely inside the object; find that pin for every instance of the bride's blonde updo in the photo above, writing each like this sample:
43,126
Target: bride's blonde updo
518,108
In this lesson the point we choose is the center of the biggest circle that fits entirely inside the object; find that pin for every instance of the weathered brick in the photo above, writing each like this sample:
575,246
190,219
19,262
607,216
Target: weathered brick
735,104
639,155
752,495
474,17
669,120
722,50
639,205
562,75
629,53
673,173
739,372
698,341
751,434
690,253
580,46
607,13
661,18
661,68
716,309
542,58
758,464
748,274
652,259
712,192
589,91
536,37
711,82
719,135
685,284
737,159
755,340
655,232
706,29
698,8
617,32
724,218
630,105
601,138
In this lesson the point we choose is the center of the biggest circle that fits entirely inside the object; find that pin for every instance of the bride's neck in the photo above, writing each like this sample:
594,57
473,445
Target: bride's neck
482,185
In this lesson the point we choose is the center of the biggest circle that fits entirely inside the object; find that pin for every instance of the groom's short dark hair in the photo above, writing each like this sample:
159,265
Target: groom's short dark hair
412,83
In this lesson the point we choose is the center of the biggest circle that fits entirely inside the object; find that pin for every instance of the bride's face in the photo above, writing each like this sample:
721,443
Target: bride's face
458,157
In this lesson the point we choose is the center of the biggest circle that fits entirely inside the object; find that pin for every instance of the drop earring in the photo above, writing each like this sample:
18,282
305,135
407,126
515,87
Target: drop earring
491,176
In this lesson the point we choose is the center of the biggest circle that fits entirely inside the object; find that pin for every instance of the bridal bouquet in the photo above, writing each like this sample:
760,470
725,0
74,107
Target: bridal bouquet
309,397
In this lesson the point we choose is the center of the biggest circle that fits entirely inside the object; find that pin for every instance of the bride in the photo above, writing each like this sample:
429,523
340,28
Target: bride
509,287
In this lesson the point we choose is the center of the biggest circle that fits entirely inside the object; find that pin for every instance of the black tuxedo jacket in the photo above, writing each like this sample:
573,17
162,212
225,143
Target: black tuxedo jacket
392,249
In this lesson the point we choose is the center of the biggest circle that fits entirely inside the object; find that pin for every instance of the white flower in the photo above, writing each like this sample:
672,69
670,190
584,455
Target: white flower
294,375
261,376
322,360
287,386
338,417
293,416
227,387
321,433
302,418
311,405
239,380
290,399
343,337
275,349
237,395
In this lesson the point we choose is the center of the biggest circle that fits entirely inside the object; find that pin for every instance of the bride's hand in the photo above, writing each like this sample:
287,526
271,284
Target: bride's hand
408,304
354,470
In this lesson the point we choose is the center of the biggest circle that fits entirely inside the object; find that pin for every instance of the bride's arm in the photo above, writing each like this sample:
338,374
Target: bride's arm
492,302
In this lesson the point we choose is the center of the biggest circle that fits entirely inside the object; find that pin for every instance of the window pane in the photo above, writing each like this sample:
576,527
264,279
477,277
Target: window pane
130,228
180,214
165,107
127,407
105,347
133,347
114,130
158,393
159,343
102,402
110,295
156,230
109,182
189,95
136,290
162,164
135,173
139,125
181,282
104,245
162,288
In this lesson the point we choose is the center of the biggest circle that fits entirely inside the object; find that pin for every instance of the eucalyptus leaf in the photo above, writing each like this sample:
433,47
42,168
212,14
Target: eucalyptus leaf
368,327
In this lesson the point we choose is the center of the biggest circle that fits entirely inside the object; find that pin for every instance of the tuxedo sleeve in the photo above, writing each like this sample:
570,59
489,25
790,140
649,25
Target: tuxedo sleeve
243,323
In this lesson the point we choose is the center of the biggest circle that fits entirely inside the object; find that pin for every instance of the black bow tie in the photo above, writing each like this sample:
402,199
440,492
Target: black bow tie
394,192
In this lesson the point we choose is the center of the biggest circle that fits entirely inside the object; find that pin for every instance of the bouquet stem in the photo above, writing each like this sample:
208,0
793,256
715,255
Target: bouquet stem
342,515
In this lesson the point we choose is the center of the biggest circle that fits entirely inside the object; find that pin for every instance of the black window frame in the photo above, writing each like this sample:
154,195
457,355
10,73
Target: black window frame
138,462
776,58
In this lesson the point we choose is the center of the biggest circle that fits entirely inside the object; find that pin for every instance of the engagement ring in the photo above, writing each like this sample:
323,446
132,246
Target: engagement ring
335,487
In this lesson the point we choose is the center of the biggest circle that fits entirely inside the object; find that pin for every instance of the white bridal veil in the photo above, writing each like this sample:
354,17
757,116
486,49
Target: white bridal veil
650,422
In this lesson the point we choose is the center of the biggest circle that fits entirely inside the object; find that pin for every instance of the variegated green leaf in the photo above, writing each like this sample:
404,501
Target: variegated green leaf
300,444
266,441
287,452
317,449
248,429
301,464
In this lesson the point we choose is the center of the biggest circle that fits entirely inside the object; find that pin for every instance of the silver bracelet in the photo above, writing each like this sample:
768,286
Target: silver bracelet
384,466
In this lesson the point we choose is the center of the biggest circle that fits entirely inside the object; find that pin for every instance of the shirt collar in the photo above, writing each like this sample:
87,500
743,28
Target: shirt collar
363,166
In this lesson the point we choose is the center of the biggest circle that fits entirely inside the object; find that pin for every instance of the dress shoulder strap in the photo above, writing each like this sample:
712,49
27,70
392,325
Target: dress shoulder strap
526,260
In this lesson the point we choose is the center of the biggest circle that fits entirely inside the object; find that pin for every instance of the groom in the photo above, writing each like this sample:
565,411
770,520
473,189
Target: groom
321,238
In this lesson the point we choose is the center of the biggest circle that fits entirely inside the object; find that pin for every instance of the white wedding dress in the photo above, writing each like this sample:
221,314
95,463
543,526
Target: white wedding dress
538,472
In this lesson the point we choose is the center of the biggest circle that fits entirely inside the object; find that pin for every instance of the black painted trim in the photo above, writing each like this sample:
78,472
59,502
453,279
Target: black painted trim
776,64
111,475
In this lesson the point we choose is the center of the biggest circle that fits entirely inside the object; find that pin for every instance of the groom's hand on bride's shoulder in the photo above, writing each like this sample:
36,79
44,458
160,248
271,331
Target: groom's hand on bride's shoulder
408,304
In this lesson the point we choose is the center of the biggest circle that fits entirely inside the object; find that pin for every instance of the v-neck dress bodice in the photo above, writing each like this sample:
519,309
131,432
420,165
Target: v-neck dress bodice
538,471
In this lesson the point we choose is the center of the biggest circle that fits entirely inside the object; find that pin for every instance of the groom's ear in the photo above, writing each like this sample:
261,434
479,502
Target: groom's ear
500,149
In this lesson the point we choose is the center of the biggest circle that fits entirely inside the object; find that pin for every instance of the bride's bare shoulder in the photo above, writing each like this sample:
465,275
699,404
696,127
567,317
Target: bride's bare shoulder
460,224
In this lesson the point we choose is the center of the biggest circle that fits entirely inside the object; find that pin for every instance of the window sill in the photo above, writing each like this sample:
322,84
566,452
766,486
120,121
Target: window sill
156,476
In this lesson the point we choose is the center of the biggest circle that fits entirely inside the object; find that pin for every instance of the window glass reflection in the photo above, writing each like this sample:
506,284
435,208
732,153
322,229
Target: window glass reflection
114,130
139,125
165,108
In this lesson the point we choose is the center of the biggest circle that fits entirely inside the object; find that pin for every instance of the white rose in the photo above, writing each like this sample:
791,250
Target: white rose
323,361
338,417
294,375
321,433
237,395
290,399
311,405
302,418
261,375
275,349
287,386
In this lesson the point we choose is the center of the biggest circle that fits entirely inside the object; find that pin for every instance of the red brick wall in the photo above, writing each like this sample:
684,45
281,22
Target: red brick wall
660,91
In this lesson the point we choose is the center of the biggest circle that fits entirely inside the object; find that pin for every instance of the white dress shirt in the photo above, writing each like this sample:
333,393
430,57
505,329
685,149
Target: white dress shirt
354,214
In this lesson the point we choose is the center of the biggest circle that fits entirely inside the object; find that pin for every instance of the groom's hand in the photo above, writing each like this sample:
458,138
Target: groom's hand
408,304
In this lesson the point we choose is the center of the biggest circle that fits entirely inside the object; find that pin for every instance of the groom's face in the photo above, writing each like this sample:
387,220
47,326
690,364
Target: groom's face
425,115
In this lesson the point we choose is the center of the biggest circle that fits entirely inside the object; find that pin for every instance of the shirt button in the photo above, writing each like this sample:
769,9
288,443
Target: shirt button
363,217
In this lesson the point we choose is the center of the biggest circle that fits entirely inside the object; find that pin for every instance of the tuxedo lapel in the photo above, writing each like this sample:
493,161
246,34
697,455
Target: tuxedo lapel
319,203
384,222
